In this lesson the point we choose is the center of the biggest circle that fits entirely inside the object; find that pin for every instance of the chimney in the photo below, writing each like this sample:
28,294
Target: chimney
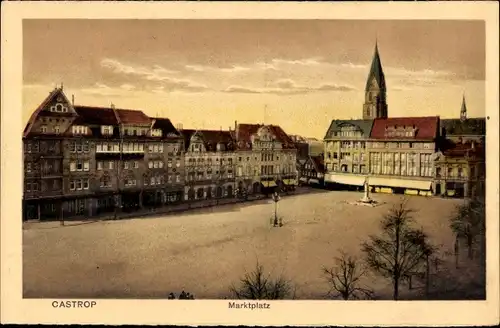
235,125
112,106
62,86
73,100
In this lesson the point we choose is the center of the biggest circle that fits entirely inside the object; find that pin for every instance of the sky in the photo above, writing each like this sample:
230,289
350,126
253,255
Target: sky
299,74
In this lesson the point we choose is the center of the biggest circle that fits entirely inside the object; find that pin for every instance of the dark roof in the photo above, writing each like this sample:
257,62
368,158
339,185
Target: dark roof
244,133
470,126
365,126
96,115
166,126
318,163
210,138
131,116
462,149
376,71
426,127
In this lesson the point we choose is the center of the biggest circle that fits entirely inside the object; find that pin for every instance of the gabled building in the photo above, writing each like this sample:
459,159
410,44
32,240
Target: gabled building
266,158
460,170
86,160
209,164
313,171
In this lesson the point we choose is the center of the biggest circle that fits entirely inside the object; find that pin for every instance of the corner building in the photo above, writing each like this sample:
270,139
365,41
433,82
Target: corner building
85,161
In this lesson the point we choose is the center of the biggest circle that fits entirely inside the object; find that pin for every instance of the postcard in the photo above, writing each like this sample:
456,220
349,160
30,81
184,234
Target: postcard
250,163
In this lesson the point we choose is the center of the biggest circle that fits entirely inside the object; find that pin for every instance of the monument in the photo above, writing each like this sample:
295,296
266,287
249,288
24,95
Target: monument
366,200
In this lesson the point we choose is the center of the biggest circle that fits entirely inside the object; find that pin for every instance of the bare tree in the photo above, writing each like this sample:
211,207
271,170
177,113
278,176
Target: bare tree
400,250
468,223
256,285
344,279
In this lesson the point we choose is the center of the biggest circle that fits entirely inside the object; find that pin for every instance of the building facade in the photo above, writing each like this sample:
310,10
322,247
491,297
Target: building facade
460,170
266,158
313,171
84,161
210,165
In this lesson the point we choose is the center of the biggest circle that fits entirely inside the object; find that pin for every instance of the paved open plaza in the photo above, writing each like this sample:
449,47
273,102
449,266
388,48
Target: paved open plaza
203,252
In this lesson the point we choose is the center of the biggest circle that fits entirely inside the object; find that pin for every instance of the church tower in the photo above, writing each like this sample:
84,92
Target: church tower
463,110
375,105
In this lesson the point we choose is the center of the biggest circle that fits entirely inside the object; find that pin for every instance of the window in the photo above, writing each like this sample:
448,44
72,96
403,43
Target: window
28,167
153,180
125,165
57,129
72,185
86,166
99,165
160,148
43,129
78,184
86,184
79,147
72,166
150,164
155,164
111,164
178,177
161,164
136,164
79,166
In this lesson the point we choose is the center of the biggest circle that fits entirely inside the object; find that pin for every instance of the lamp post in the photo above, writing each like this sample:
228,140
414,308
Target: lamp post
276,199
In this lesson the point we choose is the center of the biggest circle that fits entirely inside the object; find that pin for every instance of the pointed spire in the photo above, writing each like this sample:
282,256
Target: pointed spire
463,110
376,70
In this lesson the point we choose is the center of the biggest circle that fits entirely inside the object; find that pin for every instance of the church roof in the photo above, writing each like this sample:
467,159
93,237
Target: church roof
469,126
376,71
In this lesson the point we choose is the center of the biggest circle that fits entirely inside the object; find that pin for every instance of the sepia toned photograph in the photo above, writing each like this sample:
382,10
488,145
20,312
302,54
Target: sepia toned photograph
253,160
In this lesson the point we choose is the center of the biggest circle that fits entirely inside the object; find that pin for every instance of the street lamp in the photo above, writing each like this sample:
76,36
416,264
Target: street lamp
276,199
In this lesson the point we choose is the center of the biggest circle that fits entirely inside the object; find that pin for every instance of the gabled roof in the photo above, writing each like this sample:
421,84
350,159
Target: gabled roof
92,115
130,116
470,126
318,163
52,95
365,127
426,127
376,71
210,138
244,133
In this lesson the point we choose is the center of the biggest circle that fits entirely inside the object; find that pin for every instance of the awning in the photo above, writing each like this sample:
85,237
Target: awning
290,182
400,183
268,184
314,181
354,180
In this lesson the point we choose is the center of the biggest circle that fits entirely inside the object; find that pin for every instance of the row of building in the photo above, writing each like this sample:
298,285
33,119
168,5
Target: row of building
411,155
81,160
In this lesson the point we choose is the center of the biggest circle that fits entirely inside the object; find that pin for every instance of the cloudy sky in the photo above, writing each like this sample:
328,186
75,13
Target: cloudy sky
299,74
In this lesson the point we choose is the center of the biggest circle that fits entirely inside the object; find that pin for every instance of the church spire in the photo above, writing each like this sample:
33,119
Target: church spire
463,110
375,105
376,71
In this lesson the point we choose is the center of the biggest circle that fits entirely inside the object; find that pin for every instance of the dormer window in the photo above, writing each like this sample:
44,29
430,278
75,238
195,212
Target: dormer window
57,129
78,129
59,108
156,133
107,130
43,129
